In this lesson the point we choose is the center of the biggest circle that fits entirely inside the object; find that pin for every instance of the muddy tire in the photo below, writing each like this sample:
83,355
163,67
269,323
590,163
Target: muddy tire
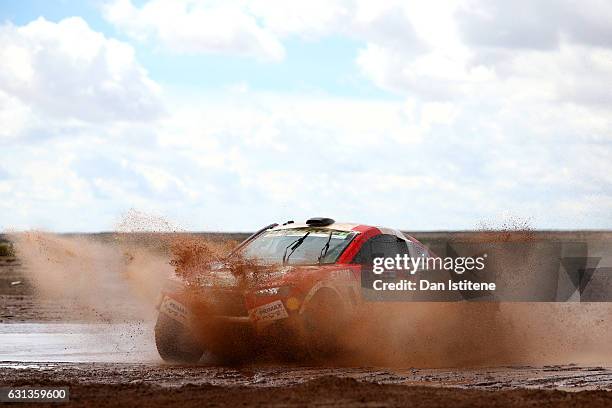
323,321
174,342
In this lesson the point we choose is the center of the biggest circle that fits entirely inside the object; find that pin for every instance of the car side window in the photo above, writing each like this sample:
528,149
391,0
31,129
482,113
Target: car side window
402,247
413,250
380,246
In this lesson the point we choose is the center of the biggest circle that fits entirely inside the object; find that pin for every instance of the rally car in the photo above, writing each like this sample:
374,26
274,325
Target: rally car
301,306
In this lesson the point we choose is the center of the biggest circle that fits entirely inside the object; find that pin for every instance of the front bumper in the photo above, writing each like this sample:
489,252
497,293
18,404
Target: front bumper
221,306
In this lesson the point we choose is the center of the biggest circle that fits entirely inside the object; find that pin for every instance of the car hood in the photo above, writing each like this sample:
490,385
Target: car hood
224,276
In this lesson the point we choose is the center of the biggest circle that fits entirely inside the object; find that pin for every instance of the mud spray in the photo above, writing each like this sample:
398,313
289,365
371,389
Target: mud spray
113,276
468,334
117,278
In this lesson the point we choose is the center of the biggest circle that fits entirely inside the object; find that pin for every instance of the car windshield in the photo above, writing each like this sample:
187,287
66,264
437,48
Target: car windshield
270,246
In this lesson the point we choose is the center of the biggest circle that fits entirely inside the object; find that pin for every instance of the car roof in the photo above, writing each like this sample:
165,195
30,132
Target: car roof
348,226
340,226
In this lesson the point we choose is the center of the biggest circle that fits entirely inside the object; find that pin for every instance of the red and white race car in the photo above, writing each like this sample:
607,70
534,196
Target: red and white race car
314,290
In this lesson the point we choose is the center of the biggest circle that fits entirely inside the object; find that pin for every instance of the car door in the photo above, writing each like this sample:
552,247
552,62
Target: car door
381,246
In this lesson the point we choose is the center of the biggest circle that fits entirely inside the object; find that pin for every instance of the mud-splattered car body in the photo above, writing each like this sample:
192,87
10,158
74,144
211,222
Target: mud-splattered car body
321,263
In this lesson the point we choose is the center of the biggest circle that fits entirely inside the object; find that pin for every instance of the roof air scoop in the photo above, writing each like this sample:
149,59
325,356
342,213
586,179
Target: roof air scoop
319,222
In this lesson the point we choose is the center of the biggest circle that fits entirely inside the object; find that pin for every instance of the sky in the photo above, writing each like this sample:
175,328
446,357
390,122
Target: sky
229,115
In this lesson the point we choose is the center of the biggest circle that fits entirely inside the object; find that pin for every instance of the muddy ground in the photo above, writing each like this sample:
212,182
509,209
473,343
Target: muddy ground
113,363
142,385
117,384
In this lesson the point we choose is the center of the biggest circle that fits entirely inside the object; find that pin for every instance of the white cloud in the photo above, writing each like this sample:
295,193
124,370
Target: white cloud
440,51
481,129
14,116
539,25
502,54
257,28
232,162
66,70
196,27
531,114
375,22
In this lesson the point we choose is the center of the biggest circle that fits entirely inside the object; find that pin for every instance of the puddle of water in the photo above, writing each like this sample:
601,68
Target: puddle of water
77,342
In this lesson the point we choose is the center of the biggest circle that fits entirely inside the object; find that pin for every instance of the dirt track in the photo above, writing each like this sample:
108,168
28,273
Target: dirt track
569,378
158,385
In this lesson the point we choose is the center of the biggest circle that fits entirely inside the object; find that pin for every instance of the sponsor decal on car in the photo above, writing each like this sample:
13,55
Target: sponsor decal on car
175,310
269,312
342,275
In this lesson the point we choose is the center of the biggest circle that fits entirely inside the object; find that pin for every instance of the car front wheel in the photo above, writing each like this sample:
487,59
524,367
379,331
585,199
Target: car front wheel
323,321
174,341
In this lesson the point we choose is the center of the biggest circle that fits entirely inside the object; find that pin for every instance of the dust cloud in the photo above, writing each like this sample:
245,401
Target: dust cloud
114,277
110,277
106,281
469,334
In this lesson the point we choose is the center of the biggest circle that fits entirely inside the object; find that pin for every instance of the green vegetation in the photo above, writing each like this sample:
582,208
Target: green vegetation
6,249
